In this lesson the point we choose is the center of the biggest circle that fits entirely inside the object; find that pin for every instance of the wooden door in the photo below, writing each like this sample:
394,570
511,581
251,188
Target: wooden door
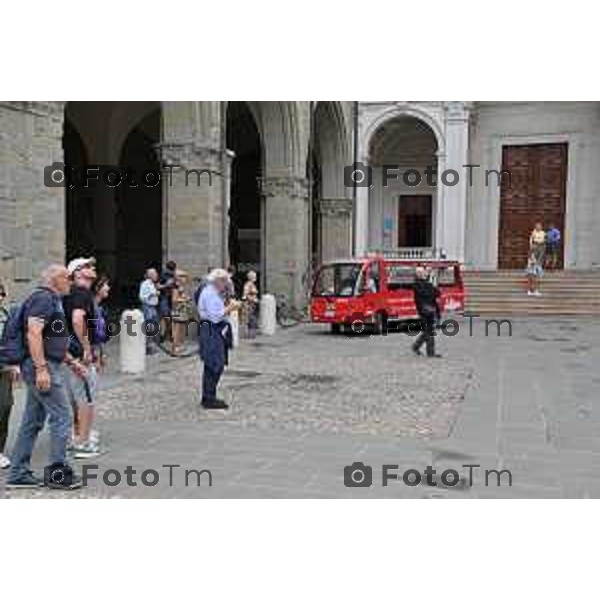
538,193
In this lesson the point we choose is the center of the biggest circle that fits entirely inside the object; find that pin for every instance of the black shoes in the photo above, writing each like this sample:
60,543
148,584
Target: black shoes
27,481
72,483
215,404
417,352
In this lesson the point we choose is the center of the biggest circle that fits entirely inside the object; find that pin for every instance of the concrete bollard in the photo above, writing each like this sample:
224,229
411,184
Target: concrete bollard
268,317
132,347
234,319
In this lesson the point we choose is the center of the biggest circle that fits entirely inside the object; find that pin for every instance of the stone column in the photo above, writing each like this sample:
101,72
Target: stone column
453,198
193,187
285,237
32,219
361,236
336,228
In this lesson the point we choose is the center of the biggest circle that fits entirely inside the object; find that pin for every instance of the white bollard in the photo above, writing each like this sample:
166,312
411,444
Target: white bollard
268,317
133,347
234,319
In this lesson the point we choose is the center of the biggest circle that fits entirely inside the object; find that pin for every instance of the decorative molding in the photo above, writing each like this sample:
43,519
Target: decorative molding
188,154
285,187
335,207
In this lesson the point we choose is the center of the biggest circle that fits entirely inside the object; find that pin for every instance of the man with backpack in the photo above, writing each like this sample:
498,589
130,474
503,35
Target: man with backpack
37,340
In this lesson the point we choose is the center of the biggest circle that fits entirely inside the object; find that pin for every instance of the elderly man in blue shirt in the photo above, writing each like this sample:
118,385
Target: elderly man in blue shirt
215,334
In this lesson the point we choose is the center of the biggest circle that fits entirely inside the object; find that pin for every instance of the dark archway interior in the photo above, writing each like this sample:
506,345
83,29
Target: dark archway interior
79,201
243,139
139,210
120,225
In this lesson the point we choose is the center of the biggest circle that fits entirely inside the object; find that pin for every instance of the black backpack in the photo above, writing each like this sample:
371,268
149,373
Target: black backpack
13,345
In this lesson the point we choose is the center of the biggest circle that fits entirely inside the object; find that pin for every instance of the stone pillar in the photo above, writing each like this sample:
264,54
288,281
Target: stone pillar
285,237
361,236
453,198
336,228
32,216
193,186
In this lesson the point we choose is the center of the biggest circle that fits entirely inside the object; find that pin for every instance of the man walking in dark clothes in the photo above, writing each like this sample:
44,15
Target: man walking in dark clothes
426,295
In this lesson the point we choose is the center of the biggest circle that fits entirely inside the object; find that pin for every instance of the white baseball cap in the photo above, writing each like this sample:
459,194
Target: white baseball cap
77,263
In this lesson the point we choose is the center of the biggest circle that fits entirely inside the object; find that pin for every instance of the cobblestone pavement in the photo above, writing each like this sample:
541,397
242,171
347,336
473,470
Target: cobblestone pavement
305,403
307,380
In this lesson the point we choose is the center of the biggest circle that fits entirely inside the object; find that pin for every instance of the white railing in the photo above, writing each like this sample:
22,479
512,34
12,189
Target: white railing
409,253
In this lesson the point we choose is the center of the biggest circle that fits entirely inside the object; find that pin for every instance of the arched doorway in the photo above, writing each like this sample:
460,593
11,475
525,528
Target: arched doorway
120,225
139,208
78,201
404,203
245,211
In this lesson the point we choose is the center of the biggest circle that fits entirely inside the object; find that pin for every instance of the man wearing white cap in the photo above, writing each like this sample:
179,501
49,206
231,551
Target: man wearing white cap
80,311
214,328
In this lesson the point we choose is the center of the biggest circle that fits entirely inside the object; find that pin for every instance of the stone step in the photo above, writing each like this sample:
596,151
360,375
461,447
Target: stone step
504,292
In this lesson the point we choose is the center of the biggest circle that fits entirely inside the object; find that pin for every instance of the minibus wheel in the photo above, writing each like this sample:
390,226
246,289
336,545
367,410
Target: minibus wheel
336,328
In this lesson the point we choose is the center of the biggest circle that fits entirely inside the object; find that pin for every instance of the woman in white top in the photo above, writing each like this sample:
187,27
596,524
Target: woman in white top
537,242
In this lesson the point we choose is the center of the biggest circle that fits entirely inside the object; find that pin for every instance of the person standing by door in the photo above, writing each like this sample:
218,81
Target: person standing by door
552,247
537,242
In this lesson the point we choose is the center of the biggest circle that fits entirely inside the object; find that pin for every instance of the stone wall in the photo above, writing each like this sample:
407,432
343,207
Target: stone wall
32,218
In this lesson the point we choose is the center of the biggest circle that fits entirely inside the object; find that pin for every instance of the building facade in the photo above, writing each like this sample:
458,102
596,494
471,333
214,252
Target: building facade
264,185
529,161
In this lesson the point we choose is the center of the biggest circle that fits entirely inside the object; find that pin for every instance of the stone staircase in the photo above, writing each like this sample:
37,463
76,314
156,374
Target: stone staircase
505,293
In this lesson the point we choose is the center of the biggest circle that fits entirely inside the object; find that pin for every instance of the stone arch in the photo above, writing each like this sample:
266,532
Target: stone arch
331,208
395,112
283,145
333,146
105,128
380,221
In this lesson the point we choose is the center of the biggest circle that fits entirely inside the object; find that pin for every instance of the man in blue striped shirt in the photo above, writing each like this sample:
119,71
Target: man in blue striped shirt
215,330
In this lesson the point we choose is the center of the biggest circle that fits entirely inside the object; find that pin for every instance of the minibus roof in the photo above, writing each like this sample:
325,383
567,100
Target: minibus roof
359,260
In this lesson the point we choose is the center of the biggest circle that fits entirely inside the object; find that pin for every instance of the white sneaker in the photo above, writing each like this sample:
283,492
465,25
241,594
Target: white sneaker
94,436
4,461
84,451
529,293
537,293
